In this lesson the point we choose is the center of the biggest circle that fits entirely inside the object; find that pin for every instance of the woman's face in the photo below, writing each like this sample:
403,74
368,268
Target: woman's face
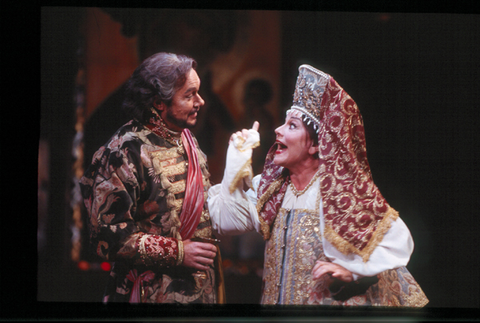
294,145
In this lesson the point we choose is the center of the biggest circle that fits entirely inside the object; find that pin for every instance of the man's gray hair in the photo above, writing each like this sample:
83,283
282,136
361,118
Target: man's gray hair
158,77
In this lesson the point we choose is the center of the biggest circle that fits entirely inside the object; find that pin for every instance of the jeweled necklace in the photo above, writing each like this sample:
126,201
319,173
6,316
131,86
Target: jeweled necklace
296,192
158,126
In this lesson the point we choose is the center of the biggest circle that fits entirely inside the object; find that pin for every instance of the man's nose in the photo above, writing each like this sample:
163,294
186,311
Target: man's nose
201,101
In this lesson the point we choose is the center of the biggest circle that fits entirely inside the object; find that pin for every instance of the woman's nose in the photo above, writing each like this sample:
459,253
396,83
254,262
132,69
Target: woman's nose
279,130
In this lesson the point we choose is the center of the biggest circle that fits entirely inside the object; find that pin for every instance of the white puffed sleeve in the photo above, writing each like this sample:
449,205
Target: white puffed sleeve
392,252
232,211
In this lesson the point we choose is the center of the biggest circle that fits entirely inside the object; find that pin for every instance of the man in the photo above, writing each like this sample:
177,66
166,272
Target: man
146,190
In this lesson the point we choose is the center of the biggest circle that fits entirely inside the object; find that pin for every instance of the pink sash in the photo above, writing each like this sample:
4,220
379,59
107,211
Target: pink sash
194,200
135,295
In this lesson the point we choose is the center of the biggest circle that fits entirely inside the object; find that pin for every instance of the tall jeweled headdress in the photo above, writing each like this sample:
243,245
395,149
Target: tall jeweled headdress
309,90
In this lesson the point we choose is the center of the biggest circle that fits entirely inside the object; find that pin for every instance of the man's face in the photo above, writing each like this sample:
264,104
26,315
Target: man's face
186,102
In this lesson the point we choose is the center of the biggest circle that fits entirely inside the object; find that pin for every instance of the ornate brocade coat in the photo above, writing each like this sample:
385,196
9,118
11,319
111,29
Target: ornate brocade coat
134,191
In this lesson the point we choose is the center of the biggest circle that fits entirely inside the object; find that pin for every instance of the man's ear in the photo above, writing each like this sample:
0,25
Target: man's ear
159,105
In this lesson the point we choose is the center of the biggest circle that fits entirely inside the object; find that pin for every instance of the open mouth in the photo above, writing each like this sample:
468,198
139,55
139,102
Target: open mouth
280,147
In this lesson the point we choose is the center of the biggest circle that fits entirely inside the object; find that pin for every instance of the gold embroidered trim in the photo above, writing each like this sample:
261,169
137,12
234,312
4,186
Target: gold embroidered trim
255,145
180,252
289,273
206,227
141,249
241,140
164,169
262,200
416,299
178,187
177,168
245,171
203,233
273,257
296,192
345,247
305,251
158,158
273,187
265,228
165,154
288,276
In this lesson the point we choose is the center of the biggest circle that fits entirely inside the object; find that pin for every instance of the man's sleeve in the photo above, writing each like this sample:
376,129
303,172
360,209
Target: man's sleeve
110,188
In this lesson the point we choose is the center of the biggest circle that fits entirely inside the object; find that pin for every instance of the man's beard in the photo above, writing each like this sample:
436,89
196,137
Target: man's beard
179,123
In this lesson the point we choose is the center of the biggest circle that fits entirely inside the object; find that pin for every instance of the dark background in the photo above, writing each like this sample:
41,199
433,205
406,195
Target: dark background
413,74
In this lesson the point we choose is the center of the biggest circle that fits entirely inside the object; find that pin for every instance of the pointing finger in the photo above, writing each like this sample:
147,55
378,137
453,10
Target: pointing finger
255,126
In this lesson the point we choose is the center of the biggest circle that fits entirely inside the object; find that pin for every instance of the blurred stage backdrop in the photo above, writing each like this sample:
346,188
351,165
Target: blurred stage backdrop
414,77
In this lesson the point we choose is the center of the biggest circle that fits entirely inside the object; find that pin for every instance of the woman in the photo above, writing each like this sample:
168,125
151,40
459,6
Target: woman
332,238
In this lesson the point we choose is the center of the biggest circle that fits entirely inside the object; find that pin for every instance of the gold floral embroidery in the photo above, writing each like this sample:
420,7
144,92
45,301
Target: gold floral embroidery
177,204
178,187
397,287
165,154
304,247
273,261
204,229
308,245
165,164
275,186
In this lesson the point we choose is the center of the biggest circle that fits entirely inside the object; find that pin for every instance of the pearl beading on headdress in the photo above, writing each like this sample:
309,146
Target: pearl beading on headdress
309,89
307,117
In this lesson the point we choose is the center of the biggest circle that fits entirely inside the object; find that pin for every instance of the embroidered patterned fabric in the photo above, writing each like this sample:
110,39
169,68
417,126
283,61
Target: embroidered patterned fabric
356,214
134,191
290,254
271,190
193,201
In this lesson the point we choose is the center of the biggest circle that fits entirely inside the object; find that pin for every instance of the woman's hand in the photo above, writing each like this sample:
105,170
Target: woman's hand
336,271
198,255
244,132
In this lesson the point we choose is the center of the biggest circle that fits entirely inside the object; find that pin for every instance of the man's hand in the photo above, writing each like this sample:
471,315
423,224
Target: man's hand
244,132
198,255
336,271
